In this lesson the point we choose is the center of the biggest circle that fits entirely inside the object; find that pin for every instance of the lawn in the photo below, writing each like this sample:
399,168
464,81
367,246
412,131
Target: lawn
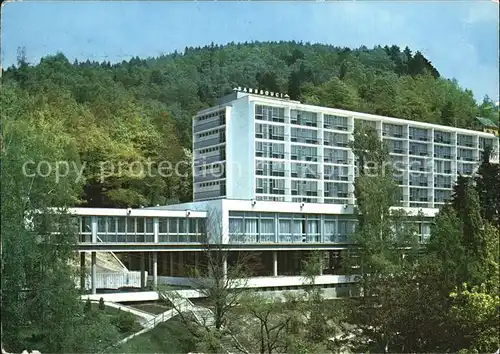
169,337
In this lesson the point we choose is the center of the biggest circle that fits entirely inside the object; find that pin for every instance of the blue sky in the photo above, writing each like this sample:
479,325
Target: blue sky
459,38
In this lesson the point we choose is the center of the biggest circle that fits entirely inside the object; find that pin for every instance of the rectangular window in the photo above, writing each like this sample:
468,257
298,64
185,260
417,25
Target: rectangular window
329,227
121,225
101,224
309,119
335,122
392,130
140,225
86,224
172,226
395,146
130,225
305,136
335,139
111,225
442,137
182,226
335,156
418,134
163,227
271,114
149,225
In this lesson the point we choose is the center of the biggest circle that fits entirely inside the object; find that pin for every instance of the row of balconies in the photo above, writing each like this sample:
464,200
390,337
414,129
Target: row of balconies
305,122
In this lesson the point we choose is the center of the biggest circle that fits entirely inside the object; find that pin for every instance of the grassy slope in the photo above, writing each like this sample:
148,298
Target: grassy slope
169,337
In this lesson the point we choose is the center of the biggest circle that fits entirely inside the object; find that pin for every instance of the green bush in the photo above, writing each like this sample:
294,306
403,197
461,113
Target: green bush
101,304
88,306
125,322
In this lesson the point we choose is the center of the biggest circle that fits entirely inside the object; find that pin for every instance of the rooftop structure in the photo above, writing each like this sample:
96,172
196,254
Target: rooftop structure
487,126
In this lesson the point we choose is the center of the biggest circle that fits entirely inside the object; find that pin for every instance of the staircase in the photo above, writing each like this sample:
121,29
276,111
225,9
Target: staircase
203,316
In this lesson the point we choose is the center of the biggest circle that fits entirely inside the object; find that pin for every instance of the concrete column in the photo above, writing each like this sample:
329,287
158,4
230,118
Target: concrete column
94,229
94,272
224,267
143,275
196,261
275,263
82,271
150,261
155,270
171,256
156,229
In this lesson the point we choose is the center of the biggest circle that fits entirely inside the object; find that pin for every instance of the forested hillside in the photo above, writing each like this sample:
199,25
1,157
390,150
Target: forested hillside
141,109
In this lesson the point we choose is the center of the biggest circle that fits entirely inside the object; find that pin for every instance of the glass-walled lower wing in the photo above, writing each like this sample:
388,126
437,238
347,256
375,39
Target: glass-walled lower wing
254,227
120,229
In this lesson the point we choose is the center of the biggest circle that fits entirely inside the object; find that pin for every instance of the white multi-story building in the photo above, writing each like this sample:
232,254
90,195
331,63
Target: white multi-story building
275,177
253,146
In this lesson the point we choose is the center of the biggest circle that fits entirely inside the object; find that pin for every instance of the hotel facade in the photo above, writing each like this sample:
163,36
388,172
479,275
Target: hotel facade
275,177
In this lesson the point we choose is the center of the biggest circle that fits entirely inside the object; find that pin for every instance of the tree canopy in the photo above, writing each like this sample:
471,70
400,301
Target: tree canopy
136,113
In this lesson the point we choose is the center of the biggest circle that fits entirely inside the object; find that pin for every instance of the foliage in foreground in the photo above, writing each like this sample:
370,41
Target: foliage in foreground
443,298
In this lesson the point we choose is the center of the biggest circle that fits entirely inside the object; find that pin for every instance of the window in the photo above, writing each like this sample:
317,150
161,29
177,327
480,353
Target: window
101,224
130,225
121,225
305,136
172,226
417,164
270,186
269,168
271,114
442,167
442,137
304,153
418,149
485,142
305,188
336,156
442,152
270,132
335,122
112,225
418,195
392,130
335,139
465,154
304,170
309,119
418,134
336,173
163,226
465,140
336,190
442,181
395,146
269,150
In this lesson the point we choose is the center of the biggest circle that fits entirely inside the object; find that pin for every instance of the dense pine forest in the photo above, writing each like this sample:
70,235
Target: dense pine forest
141,109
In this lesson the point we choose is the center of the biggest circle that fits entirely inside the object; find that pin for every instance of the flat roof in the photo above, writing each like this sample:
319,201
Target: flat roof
142,212
279,102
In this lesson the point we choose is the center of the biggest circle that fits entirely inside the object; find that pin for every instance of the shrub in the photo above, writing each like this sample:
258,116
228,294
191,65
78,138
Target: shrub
88,306
101,304
125,322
